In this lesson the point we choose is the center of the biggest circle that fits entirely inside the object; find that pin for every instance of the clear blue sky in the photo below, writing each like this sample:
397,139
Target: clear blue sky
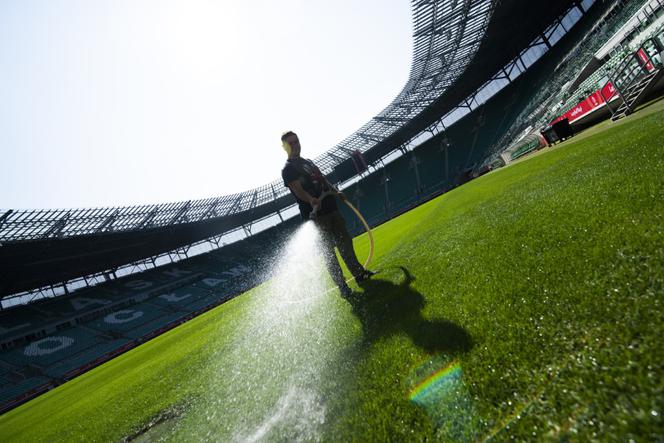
120,102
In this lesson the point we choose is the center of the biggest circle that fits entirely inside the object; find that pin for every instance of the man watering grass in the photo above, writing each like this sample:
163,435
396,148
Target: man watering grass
308,184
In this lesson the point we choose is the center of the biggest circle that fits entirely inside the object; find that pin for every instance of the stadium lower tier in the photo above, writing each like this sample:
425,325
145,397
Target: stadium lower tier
48,342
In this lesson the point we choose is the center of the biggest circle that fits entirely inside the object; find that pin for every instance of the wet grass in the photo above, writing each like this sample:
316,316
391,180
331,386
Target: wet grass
526,304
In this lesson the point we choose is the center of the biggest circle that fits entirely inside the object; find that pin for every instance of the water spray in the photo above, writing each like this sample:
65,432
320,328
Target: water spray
314,215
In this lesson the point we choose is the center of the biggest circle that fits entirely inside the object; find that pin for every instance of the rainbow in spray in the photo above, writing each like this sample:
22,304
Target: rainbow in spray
445,399
432,385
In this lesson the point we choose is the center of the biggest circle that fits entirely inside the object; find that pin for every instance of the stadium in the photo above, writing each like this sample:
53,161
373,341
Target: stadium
515,198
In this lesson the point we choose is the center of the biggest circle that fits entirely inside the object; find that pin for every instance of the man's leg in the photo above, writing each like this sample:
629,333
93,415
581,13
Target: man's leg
325,223
344,242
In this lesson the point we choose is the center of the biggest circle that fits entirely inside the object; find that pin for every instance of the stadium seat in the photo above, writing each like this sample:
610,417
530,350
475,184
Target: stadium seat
46,351
180,298
127,318
402,187
84,357
20,320
80,303
144,328
9,392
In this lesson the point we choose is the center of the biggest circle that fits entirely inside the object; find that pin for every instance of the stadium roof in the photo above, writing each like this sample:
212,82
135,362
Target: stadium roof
458,45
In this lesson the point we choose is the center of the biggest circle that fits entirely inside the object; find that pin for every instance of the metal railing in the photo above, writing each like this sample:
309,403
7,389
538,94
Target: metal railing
628,74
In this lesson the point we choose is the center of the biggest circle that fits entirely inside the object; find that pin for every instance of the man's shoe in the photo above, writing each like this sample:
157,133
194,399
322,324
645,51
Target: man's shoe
366,274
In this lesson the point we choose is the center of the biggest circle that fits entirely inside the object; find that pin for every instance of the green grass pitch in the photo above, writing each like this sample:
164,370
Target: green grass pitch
525,304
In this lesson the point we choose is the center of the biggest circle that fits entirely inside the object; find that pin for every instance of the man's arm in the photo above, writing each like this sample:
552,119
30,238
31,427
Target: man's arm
303,195
336,191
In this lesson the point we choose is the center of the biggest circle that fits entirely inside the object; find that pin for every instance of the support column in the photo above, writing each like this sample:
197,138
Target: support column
386,180
414,161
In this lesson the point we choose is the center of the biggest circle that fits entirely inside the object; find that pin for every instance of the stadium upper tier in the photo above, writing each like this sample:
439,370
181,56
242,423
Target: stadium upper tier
458,46
446,34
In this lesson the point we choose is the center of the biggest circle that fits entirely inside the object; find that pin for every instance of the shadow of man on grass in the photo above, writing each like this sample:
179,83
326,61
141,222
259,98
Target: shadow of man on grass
386,308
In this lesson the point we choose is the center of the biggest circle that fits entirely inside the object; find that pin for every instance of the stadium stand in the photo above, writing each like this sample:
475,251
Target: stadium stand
50,341
586,67
441,163
646,21
12,390
561,72
444,160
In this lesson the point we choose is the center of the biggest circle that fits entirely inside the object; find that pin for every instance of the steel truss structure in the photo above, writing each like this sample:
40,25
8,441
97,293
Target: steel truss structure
447,33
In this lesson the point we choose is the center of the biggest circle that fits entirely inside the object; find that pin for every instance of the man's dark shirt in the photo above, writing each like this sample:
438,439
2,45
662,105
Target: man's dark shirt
312,181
